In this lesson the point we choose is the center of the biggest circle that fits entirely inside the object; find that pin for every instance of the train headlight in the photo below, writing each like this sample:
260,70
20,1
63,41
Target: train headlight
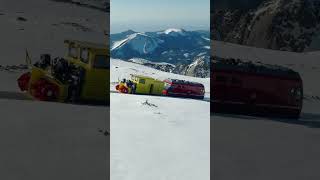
298,93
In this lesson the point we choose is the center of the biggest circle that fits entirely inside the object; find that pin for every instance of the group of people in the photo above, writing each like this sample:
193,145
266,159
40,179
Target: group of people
129,84
63,71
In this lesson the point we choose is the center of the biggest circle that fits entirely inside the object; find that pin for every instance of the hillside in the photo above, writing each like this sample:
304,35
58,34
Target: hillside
175,129
175,46
272,24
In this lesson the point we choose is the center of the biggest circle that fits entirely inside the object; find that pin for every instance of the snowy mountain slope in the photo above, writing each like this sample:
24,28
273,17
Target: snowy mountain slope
165,44
162,66
40,29
174,46
140,43
174,32
158,137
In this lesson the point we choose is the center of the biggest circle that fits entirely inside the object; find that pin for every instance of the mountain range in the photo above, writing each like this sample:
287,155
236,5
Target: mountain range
286,25
173,50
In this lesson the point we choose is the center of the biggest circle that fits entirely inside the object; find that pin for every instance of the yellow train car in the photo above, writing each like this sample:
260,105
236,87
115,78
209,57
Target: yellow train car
141,85
92,60
147,85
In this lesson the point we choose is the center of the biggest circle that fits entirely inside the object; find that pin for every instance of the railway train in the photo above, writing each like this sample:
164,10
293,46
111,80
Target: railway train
181,88
255,88
168,87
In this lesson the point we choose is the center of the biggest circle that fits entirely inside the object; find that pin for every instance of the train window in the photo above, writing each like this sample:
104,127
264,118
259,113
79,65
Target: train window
84,55
101,62
298,93
142,81
73,51
292,91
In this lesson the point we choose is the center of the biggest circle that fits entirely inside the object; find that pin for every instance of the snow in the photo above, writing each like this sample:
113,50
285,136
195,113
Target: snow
48,24
118,43
42,140
52,141
139,60
206,38
174,31
167,139
139,42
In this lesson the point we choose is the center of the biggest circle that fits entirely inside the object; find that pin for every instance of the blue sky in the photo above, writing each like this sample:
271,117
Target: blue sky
152,15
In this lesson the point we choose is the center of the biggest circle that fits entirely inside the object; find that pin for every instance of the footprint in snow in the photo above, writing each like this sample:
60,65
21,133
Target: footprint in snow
106,133
146,103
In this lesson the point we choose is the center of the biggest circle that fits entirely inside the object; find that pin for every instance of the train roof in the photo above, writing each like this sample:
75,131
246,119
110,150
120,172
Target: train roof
254,67
178,81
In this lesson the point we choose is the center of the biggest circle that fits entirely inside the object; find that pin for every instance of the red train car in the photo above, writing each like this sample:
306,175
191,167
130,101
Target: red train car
181,88
249,88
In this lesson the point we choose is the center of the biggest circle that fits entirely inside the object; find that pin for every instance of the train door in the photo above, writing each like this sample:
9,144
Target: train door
151,89
97,78
219,85
234,92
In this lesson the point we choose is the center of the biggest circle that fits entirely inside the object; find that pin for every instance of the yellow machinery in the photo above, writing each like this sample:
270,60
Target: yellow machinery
147,85
92,59
143,85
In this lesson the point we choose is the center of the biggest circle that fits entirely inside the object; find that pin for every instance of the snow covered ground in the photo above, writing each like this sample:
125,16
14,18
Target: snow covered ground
158,137
250,148
45,27
41,140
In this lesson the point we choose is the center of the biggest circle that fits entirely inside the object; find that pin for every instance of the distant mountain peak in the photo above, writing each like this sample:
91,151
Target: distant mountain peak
174,31
139,42
129,31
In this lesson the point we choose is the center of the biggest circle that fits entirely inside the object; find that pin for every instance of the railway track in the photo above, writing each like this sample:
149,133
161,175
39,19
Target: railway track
205,99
